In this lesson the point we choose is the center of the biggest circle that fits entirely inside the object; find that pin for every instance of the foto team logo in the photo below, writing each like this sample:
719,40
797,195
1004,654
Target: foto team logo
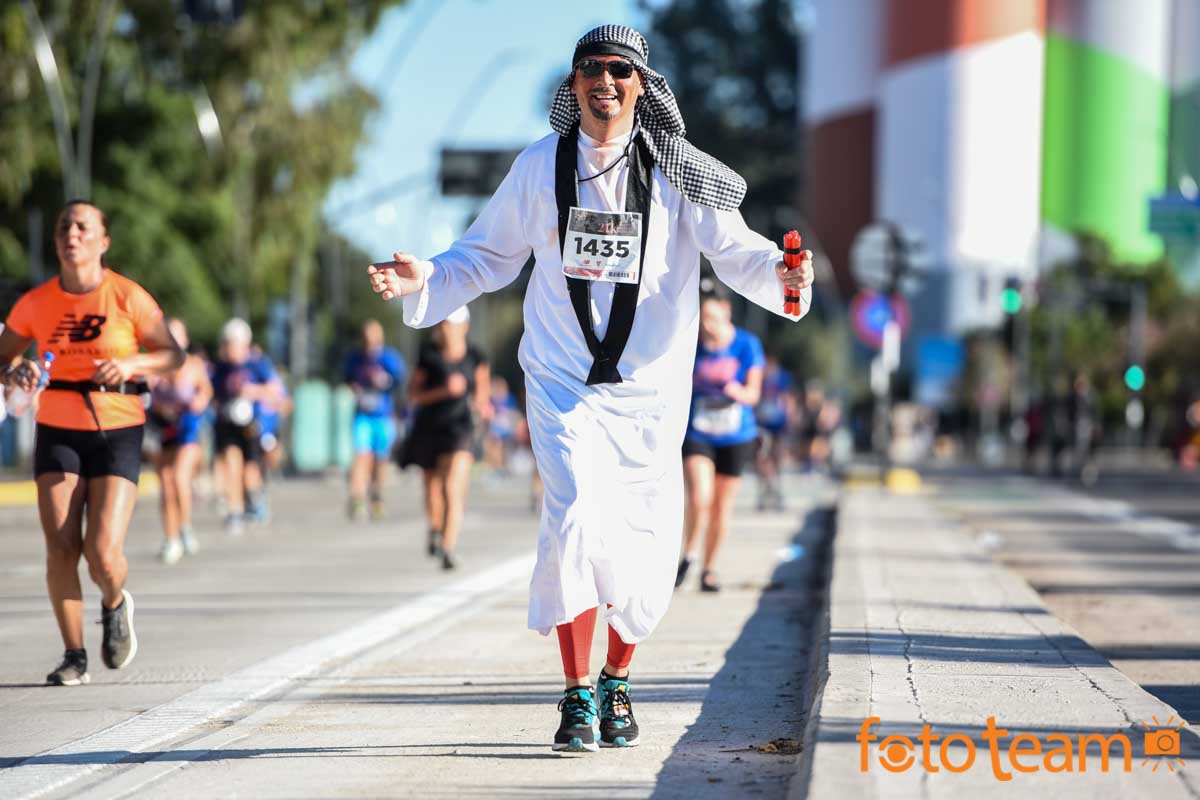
1019,752
1161,744
78,329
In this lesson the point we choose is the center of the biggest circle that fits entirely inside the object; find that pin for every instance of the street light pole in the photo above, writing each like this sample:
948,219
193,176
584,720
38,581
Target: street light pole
897,259
87,108
43,54
77,166
1135,409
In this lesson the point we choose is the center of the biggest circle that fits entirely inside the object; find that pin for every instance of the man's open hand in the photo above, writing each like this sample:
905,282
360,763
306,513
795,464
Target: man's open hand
398,277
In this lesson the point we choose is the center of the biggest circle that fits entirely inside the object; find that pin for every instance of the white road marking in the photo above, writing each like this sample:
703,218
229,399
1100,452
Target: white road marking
22,570
129,782
46,772
1127,516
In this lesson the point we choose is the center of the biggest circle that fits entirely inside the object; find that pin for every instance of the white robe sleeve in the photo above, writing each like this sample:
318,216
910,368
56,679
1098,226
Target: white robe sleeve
743,260
488,257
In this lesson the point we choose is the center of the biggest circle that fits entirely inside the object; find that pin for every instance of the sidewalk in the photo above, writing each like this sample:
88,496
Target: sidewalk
926,629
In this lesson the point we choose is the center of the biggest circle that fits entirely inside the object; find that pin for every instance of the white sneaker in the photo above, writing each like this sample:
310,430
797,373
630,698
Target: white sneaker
234,524
191,545
171,551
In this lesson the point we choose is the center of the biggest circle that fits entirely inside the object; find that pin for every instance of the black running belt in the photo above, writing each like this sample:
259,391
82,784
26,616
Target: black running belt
86,388
605,354
128,387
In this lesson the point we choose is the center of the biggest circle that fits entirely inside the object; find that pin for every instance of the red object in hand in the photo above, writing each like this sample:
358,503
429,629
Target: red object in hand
791,259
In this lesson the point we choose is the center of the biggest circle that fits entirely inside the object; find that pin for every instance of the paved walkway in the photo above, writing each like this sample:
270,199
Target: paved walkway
925,629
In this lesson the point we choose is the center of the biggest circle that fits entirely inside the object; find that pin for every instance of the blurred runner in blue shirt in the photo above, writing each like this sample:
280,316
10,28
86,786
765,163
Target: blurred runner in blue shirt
242,382
268,420
776,414
374,372
721,433
499,441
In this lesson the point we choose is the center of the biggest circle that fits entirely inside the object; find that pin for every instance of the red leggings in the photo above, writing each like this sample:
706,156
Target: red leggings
575,644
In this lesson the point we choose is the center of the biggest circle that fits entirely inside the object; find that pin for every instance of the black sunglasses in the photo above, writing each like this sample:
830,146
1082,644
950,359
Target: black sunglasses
590,68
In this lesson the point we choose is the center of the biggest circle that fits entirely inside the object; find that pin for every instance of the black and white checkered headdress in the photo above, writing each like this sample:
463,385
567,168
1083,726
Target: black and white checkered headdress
698,176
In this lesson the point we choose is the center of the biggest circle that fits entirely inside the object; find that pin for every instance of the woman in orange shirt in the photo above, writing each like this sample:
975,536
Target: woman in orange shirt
90,418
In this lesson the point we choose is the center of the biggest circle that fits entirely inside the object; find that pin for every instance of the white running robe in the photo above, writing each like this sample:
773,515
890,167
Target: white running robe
609,455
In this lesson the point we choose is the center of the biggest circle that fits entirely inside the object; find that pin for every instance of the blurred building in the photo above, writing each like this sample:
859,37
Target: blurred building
993,130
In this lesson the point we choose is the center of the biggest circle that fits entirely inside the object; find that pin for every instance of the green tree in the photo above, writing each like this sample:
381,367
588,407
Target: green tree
1082,323
733,66
210,225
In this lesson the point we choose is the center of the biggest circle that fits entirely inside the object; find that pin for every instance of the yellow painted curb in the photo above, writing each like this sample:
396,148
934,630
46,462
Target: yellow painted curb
903,481
860,482
24,493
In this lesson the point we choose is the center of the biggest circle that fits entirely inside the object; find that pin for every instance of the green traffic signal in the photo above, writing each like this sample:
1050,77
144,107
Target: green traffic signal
1135,378
1010,300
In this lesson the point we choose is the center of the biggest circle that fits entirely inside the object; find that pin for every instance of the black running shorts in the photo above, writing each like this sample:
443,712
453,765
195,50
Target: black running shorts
729,460
89,454
243,437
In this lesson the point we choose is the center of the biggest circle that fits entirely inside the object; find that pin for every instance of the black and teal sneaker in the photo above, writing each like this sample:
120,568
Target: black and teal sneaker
580,724
617,725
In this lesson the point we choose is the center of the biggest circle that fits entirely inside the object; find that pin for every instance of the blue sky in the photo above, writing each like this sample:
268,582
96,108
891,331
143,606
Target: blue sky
472,72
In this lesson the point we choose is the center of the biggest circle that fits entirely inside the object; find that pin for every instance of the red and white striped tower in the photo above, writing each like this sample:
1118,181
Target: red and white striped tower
959,148
843,61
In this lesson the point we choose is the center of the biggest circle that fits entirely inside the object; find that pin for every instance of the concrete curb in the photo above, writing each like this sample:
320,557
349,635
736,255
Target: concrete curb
818,670
925,629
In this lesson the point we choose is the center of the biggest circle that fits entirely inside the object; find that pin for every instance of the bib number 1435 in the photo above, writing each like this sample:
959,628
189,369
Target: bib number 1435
603,245
603,248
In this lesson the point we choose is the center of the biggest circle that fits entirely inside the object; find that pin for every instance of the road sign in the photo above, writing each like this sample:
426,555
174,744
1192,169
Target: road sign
473,172
940,363
1175,216
883,249
870,312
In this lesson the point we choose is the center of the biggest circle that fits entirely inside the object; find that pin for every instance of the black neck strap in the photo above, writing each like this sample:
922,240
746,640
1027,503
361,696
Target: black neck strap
605,354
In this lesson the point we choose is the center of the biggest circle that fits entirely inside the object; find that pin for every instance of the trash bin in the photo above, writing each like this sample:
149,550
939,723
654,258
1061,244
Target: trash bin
312,439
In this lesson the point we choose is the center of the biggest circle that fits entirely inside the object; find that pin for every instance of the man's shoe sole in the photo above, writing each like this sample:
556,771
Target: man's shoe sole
577,745
621,742
133,643
85,678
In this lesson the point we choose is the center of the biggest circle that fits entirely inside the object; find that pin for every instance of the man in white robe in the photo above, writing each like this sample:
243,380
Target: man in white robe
607,409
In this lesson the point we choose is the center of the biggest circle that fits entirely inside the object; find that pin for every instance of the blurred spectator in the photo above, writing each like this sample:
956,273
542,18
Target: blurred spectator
820,416
1074,429
1189,452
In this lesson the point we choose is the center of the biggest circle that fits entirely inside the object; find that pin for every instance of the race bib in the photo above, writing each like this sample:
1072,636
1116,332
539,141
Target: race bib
238,411
717,416
370,402
603,246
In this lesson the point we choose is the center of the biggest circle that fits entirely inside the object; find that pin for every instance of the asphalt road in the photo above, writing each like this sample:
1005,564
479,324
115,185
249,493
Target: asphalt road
313,657
1118,561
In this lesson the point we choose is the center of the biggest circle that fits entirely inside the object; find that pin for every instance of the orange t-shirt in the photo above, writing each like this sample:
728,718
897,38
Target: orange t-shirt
108,322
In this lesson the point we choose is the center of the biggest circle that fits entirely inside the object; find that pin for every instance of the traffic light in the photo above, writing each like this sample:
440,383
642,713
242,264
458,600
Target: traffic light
1135,377
1010,298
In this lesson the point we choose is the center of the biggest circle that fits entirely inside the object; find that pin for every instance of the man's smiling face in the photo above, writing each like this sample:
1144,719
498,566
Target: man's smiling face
604,98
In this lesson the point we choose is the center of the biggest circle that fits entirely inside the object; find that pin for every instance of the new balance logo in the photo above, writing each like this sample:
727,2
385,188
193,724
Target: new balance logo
81,329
